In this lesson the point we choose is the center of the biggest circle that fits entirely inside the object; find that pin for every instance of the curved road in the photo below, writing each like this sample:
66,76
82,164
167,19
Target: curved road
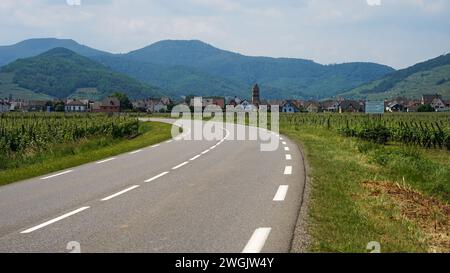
179,196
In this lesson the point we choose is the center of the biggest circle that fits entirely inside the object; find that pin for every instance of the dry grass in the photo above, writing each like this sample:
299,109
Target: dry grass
429,214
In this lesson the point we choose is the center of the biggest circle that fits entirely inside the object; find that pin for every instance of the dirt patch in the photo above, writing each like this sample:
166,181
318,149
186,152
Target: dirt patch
430,214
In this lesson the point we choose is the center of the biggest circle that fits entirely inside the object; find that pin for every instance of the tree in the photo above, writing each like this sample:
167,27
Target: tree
125,103
426,108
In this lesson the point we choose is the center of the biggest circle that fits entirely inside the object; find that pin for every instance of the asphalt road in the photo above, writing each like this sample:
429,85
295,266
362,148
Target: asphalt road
179,196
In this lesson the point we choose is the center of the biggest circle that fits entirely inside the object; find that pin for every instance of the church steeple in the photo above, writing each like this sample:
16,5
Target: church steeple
256,100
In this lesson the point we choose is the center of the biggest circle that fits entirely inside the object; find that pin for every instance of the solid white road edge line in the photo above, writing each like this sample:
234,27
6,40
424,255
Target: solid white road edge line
195,157
181,165
135,152
106,160
257,241
156,177
55,175
54,220
281,193
205,152
154,146
120,193
288,170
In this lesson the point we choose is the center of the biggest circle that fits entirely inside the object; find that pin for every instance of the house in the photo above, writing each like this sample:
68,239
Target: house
438,104
211,101
330,106
428,99
140,105
313,107
394,107
75,106
289,107
5,106
351,106
246,106
234,102
108,105
37,106
412,106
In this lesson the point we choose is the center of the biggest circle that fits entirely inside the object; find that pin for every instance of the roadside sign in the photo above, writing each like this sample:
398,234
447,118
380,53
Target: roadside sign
374,107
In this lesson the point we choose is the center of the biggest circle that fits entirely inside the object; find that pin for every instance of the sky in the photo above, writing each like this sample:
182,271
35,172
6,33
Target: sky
398,33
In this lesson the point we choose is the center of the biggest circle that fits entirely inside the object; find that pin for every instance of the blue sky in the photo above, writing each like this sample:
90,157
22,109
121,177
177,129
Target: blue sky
398,33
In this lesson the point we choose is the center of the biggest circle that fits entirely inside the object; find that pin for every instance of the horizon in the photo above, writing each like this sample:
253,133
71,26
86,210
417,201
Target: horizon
327,32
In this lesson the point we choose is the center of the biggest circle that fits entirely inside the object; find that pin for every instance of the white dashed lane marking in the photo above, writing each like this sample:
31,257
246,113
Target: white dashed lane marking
181,165
281,193
288,157
257,241
120,193
288,170
156,177
54,220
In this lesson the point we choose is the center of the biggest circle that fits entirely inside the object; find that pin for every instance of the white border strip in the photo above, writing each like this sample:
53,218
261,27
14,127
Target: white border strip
55,175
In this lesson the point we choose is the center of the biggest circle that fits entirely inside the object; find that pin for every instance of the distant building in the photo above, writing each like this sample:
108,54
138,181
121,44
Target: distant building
289,107
352,106
313,107
207,101
5,106
428,99
37,106
76,106
256,95
108,105
439,105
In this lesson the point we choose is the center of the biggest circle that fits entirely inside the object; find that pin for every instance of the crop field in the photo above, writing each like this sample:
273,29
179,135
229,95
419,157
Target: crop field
23,135
425,130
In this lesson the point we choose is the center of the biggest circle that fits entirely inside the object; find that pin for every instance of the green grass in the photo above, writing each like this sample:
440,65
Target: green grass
343,217
74,154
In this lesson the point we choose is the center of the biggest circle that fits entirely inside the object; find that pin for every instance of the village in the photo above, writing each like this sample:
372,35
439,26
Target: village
428,103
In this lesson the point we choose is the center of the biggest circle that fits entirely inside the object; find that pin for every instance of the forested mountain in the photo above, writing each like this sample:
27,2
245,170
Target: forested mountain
286,77
194,67
432,76
62,73
34,47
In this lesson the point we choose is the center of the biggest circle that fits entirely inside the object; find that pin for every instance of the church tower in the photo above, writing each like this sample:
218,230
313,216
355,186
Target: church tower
256,96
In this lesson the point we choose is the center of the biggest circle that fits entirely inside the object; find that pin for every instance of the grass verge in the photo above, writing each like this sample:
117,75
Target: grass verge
88,150
345,214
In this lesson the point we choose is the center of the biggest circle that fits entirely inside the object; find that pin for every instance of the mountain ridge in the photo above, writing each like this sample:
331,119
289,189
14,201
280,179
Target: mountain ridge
60,73
194,67
431,76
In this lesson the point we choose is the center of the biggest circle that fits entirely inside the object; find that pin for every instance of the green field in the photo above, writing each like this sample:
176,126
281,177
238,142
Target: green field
363,191
34,145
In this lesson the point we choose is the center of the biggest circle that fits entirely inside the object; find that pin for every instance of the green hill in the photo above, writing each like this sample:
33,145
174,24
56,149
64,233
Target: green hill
177,80
34,47
194,67
278,77
429,77
61,73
